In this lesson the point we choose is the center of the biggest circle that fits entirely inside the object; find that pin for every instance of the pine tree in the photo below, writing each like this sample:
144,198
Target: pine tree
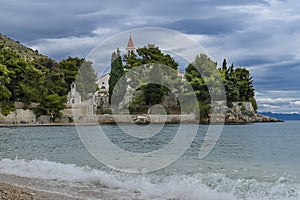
232,91
149,70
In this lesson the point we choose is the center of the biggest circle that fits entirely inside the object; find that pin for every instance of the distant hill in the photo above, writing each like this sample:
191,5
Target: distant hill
282,116
16,46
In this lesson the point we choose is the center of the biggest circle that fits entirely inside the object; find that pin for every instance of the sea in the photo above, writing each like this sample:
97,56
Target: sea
259,161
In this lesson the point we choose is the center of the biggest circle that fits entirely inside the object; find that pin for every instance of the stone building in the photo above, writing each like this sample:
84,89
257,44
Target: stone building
102,83
73,95
75,106
101,97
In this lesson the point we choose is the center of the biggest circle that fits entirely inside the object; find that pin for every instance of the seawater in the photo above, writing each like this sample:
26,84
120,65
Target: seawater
252,161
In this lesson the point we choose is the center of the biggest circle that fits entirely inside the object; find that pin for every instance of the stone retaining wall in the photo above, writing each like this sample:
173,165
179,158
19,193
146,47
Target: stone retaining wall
18,116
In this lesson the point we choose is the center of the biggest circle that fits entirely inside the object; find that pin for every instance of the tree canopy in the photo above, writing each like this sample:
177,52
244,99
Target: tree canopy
149,70
237,82
41,81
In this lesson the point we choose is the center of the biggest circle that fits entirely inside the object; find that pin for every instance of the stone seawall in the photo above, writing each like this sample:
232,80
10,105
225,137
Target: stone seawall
241,112
129,119
19,116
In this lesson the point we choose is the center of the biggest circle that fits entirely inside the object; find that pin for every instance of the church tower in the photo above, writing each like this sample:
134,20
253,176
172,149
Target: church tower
130,46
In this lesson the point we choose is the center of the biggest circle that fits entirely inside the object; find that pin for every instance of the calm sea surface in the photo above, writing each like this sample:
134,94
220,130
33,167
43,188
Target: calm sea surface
253,161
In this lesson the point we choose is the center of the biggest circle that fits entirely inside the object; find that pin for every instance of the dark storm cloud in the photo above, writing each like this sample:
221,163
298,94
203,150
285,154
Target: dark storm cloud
285,76
215,26
33,20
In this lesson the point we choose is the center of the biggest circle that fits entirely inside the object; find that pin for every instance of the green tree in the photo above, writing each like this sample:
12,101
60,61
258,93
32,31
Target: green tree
4,80
143,68
86,79
245,84
203,76
195,73
40,80
55,83
81,71
5,94
70,68
229,81
155,91
16,66
51,105
117,81
224,65
32,85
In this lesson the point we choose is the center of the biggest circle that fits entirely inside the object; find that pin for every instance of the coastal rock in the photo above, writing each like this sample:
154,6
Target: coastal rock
243,112
141,119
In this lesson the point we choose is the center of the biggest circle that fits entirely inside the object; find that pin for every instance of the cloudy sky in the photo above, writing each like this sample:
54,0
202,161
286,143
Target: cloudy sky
262,35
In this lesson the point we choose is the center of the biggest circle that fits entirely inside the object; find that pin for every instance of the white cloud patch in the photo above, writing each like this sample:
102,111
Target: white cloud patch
269,106
296,103
279,101
275,100
102,31
72,46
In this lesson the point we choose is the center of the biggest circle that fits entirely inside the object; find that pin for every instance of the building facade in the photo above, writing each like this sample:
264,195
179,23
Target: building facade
73,95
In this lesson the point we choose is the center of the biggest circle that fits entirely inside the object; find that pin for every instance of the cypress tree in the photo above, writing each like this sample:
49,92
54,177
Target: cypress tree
224,65
116,74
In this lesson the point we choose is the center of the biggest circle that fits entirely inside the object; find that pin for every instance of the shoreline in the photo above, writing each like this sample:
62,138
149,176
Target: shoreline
99,124
95,120
48,124
11,191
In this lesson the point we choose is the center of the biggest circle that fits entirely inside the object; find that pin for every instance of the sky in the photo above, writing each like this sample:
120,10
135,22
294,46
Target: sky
261,35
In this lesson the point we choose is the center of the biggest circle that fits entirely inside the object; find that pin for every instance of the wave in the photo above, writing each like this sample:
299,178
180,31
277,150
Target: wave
209,186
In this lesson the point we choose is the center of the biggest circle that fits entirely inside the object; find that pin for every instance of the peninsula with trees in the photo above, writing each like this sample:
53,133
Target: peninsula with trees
37,89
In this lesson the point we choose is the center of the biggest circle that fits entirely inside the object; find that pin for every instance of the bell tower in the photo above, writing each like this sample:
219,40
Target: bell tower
130,45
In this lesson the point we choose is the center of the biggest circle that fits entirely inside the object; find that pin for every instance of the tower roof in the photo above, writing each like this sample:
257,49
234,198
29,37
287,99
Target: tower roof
130,43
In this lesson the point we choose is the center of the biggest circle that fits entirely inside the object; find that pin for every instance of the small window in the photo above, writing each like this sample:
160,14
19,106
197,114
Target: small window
103,87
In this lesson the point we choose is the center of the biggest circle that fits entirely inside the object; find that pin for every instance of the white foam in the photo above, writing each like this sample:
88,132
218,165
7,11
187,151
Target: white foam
153,186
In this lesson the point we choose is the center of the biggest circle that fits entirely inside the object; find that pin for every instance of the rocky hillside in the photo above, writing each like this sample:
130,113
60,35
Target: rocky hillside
22,50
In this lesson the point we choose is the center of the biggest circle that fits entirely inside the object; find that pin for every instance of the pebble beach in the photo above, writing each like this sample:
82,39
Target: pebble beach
11,192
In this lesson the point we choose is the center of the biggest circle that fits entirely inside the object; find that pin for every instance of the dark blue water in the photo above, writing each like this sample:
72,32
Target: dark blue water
253,161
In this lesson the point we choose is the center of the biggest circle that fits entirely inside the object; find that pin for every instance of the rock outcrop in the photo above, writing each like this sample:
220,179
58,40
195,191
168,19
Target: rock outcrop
243,112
